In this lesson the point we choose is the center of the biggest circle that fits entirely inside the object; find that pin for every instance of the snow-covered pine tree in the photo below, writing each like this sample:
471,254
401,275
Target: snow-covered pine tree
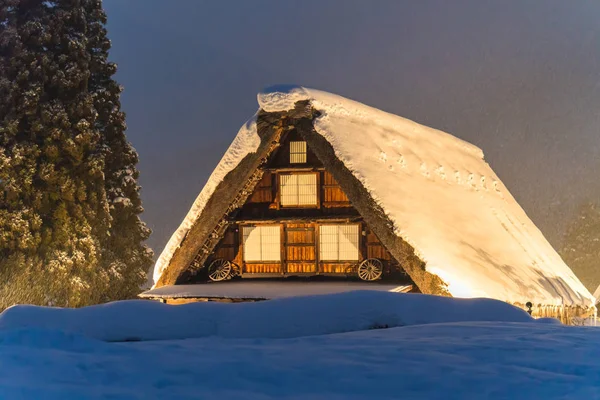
124,254
581,249
53,207
56,221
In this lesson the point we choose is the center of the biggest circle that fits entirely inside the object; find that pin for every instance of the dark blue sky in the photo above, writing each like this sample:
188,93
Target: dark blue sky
518,78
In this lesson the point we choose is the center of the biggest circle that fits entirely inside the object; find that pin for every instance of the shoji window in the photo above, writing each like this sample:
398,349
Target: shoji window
262,243
297,152
298,190
338,242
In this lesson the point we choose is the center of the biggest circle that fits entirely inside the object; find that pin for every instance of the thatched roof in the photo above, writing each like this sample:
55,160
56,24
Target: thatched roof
432,200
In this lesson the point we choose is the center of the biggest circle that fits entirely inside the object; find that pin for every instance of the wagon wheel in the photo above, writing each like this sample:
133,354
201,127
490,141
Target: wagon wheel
370,269
219,270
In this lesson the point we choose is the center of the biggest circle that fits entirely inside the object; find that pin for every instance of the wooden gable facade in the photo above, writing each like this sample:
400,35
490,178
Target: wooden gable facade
299,221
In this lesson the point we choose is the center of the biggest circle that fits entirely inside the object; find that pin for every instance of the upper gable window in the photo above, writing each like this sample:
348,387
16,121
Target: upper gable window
298,152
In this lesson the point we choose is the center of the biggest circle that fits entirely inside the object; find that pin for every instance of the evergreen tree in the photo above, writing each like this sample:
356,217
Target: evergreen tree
581,250
127,259
61,132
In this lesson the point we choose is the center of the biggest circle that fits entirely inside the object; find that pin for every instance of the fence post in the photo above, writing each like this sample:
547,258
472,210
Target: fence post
529,306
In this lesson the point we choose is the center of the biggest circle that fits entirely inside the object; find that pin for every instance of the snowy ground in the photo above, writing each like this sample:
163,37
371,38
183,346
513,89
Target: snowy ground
507,357
268,289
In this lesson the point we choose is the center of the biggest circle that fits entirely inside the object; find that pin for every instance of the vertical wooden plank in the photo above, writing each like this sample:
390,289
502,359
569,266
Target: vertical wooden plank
241,242
237,245
319,191
273,185
318,267
278,190
266,188
283,244
363,241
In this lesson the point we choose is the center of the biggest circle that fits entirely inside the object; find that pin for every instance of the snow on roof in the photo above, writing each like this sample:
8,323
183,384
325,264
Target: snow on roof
438,191
444,200
246,142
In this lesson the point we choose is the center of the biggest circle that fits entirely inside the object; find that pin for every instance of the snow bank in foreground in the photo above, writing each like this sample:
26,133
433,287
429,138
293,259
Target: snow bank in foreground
42,338
280,318
246,142
455,361
444,200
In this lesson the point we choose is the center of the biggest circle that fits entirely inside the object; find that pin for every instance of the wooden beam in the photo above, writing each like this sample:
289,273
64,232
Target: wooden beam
336,219
282,248
295,169
317,249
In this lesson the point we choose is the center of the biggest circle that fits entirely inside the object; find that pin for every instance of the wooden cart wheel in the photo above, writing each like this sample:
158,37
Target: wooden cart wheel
219,270
370,269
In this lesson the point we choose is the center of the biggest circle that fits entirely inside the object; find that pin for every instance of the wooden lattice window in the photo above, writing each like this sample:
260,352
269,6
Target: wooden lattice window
262,243
339,242
298,190
297,152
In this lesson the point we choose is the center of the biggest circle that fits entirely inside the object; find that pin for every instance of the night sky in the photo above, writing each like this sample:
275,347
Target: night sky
520,79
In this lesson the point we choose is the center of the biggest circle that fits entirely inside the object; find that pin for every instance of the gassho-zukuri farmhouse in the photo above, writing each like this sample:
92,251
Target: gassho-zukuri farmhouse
316,184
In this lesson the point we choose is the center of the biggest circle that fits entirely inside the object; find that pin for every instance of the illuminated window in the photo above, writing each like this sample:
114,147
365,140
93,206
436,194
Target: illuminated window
297,152
262,243
298,190
338,242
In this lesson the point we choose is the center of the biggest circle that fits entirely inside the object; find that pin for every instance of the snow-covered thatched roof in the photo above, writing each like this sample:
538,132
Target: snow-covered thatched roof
245,142
437,191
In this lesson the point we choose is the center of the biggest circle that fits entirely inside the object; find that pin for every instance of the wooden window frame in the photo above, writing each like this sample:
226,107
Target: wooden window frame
305,153
318,190
243,244
359,243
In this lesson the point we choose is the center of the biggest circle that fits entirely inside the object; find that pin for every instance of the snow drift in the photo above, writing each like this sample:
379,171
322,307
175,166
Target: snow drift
42,338
453,361
280,318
